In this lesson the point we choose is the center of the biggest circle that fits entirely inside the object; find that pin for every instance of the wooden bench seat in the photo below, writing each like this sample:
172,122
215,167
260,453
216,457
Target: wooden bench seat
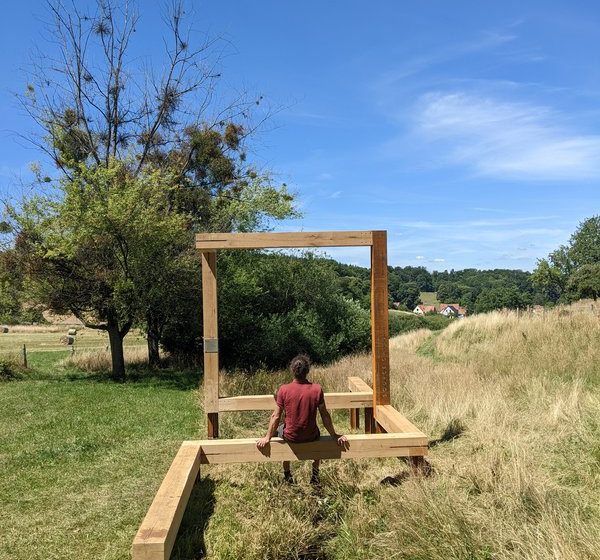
156,535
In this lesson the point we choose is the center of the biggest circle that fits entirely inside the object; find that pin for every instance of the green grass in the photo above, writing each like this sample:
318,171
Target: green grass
429,298
81,457
49,339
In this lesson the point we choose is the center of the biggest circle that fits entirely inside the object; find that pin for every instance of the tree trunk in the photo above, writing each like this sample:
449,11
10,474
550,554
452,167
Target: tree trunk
154,333
153,354
116,352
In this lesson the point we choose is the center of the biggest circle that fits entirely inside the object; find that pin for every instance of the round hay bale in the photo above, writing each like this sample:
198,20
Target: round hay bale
72,332
4,329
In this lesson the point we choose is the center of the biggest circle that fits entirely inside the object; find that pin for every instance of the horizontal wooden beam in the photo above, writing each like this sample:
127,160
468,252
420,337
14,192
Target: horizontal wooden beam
357,384
267,402
394,422
359,446
283,240
156,535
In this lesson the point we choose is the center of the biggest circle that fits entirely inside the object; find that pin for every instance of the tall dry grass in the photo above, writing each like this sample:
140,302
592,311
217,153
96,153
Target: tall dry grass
521,482
100,360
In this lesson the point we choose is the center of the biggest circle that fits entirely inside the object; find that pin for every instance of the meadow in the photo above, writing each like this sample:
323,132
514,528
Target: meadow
510,402
51,338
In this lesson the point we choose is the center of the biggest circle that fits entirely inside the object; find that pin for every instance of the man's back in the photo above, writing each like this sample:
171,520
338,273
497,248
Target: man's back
300,400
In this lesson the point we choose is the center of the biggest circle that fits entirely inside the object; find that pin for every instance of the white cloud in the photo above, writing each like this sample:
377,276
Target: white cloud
420,257
508,140
439,260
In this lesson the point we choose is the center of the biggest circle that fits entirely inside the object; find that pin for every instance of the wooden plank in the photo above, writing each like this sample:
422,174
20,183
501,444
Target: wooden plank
211,330
267,402
393,422
357,384
281,240
156,535
359,446
379,320
354,418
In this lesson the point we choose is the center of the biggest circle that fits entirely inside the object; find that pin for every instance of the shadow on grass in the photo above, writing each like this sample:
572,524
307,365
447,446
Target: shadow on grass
189,543
144,376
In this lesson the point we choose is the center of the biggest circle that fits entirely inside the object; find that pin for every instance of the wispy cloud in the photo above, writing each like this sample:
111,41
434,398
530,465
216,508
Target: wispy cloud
417,64
507,140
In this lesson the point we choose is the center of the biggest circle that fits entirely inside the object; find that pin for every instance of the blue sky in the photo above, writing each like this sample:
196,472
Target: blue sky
469,130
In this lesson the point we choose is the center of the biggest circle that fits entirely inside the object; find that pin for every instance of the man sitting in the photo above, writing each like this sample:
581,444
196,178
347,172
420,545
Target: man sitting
300,401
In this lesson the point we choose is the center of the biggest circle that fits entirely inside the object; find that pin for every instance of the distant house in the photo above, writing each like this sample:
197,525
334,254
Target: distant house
446,309
452,310
422,309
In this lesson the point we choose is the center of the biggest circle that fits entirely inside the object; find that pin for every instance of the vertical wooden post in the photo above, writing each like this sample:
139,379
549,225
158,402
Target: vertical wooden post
379,321
24,356
355,418
369,421
211,342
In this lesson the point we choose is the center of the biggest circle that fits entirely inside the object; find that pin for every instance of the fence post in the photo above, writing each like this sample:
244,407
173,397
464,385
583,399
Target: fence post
24,356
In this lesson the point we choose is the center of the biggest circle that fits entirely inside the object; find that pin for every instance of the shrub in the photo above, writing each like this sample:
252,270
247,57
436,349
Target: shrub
271,307
401,323
10,368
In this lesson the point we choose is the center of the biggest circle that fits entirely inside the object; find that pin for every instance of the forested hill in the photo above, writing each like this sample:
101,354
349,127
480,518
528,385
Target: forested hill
476,290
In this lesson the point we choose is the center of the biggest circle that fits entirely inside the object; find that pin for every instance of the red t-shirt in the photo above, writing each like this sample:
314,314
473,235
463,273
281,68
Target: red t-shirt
300,401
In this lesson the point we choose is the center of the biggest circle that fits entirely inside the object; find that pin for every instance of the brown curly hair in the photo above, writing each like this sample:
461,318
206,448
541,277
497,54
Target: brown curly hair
300,366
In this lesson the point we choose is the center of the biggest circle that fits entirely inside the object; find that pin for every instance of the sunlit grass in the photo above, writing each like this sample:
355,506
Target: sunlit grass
515,477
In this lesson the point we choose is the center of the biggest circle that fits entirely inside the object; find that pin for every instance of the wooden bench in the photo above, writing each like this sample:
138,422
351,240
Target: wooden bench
156,535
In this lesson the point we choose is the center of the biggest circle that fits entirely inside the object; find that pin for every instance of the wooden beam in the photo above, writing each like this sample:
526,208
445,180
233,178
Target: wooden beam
267,402
212,241
393,422
359,446
156,535
357,384
211,333
379,320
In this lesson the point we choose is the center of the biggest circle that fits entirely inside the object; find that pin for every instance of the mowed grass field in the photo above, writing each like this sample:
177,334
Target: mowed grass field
50,338
429,298
511,403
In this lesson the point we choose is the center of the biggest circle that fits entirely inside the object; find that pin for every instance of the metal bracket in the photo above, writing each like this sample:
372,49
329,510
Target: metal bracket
211,345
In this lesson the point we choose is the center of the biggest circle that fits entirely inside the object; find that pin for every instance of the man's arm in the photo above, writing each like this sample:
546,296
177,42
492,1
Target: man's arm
328,423
273,424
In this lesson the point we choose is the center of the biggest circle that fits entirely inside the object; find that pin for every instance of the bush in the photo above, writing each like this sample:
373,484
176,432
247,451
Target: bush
271,307
401,323
10,368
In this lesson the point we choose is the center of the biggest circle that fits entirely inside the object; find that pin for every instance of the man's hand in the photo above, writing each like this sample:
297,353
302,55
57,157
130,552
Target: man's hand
342,441
263,442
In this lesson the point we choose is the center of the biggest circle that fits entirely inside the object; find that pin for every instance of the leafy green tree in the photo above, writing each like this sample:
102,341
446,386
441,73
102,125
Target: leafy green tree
449,292
548,280
142,164
89,251
508,297
553,275
409,295
585,282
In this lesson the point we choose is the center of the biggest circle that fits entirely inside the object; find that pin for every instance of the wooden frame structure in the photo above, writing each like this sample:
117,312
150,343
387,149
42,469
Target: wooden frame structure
396,436
209,243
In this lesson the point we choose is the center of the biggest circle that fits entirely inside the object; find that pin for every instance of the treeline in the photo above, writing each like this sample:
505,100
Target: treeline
476,290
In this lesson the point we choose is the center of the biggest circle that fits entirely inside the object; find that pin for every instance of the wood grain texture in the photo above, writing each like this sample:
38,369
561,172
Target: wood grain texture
358,384
281,240
393,421
360,446
210,331
267,402
156,535
379,320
